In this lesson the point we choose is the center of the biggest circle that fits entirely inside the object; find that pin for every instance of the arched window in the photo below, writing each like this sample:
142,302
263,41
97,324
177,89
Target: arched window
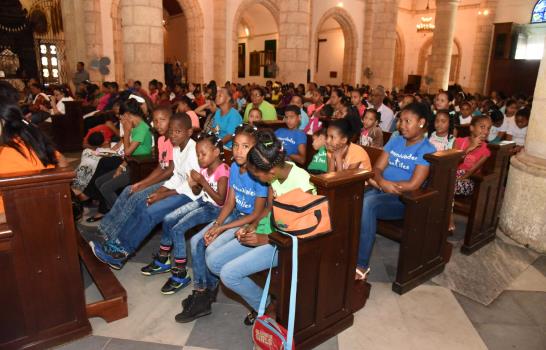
539,12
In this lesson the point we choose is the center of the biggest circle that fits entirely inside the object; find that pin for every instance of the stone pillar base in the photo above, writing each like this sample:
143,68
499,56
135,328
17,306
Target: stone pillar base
523,214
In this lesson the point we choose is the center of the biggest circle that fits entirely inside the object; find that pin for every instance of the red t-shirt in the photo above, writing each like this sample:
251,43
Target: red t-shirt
103,129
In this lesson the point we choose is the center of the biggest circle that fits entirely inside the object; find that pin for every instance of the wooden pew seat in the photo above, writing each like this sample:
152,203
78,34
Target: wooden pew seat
422,233
322,311
67,129
482,208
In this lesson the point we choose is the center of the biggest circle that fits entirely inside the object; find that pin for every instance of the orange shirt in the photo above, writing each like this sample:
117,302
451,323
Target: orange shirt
12,161
356,154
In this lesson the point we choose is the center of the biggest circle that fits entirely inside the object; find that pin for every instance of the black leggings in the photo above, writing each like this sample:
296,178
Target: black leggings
106,165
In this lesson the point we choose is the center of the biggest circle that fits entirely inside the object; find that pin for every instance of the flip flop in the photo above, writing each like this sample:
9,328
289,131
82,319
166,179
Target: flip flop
94,219
362,276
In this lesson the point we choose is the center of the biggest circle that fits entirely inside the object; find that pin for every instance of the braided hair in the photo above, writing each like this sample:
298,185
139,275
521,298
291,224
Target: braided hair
214,140
248,129
268,151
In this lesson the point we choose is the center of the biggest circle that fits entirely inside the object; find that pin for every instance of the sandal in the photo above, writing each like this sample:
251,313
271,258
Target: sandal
94,218
250,318
362,276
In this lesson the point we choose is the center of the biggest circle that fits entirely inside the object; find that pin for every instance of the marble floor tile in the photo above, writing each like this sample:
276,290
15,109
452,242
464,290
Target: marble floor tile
223,329
504,310
533,304
91,342
540,264
124,344
330,344
510,337
483,275
196,348
151,314
428,317
530,280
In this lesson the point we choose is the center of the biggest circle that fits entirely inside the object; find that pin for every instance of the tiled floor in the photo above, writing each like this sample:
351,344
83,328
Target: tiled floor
428,317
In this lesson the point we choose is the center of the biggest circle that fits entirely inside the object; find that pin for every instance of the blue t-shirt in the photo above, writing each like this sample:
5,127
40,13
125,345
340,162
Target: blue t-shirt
291,139
246,189
304,119
403,159
226,124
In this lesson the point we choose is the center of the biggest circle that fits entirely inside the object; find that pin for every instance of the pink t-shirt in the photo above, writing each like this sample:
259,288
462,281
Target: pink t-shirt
473,157
312,109
221,171
103,101
194,119
361,110
165,148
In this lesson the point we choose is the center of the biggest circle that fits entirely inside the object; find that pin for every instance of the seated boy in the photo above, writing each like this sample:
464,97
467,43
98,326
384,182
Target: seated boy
294,140
517,131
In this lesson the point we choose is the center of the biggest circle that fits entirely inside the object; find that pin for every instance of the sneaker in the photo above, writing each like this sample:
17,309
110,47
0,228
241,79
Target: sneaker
177,281
211,293
159,264
199,306
250,318
110,253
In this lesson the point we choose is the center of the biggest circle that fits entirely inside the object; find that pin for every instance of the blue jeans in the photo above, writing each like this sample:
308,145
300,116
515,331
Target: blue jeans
144,219
234,263
181,220
377,205
113,223
202,277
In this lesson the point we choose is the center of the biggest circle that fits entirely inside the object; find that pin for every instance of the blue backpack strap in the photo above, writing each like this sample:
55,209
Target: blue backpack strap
293,292
265,293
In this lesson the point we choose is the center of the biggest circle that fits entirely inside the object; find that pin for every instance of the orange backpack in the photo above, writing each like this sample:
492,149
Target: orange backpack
301,214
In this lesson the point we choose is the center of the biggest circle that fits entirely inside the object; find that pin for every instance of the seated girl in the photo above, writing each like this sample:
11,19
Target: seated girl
23,147
255,115
251,252
245,203
98,146
371,134
136,141
174,193
185,105
60,96
400,168
342,153
442,137
212,181
226,118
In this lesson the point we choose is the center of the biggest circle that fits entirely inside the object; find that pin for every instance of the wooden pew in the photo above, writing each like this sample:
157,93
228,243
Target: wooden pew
67,129
482,208
422,233
42,288
328,294
271,124
141,166
386,137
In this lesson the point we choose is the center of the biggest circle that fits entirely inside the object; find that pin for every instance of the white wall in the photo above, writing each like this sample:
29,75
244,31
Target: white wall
518,11
330,54
465,31
355,9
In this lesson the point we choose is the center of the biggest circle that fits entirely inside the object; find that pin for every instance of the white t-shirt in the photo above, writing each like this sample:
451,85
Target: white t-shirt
184,161
518,135
60,104
507,123
465,121
387,116
493,132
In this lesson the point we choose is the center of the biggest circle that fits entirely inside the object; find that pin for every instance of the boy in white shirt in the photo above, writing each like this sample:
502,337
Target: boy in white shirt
518,130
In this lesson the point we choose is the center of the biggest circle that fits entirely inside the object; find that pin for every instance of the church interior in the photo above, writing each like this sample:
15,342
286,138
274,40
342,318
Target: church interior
214,174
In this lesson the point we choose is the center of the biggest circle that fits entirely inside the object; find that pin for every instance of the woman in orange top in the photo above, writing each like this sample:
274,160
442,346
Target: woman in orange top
23,147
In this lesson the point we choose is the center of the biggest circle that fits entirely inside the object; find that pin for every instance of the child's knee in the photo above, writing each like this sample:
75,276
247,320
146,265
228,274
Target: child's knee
229,276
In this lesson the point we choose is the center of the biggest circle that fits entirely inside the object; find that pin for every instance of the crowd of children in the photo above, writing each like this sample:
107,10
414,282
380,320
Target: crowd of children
191,126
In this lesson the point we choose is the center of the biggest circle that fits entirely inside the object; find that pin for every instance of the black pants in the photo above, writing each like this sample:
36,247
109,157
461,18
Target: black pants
106,165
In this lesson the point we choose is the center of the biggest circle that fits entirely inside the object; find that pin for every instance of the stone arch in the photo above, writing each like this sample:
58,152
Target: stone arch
270,5
348,28
423,51
399,56
195,29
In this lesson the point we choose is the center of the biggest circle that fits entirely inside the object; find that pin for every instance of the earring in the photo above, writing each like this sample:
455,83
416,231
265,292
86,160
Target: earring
421,126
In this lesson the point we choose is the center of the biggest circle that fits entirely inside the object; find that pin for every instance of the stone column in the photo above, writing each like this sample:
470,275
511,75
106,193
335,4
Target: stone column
294,34
480,61
379,42
142,28
442,42
523,215
219,49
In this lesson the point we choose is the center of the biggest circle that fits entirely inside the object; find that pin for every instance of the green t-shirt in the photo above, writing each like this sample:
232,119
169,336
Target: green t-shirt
141,133
268,111
319,163
297,178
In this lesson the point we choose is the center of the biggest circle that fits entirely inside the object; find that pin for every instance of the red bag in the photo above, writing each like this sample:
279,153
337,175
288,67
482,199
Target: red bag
267,334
